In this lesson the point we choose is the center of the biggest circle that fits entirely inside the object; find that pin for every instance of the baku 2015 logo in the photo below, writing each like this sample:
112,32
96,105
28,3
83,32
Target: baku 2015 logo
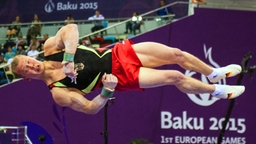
204,99
49,7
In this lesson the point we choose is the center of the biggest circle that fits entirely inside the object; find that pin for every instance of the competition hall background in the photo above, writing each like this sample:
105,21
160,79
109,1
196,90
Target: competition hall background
160,115
57,10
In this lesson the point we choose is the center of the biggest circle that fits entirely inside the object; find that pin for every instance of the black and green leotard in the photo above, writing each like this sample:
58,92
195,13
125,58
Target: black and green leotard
90,63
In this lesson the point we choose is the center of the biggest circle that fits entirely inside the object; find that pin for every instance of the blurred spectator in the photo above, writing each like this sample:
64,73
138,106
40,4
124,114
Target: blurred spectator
35,42
20,50
41,55
198,1
134,24
97,18
86,42
35,29
1,54
164,11
14,49
14,29
6,45
69,20
1,59
33,52
46,36
9,54
20,41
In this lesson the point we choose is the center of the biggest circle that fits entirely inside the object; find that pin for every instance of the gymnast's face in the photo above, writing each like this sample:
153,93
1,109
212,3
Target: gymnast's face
29,67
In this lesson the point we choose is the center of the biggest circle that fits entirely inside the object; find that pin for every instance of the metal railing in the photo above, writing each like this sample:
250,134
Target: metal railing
18,133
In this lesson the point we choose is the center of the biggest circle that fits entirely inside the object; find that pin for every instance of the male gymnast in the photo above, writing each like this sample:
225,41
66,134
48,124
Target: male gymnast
71,71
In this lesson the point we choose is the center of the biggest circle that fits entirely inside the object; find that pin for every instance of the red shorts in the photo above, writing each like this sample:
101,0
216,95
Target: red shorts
126,66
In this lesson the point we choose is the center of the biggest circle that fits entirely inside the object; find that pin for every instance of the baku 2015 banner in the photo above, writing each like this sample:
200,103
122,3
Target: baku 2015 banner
161,115
57,10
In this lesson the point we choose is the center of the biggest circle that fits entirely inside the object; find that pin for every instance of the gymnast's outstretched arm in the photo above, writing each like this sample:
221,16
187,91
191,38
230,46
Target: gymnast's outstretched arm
78,102
66,38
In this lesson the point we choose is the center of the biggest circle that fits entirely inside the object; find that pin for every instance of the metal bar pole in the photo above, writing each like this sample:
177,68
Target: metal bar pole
106,124
105,132
232,102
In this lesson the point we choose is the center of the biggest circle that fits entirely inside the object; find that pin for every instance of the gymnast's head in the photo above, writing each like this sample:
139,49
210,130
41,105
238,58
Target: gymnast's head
27,67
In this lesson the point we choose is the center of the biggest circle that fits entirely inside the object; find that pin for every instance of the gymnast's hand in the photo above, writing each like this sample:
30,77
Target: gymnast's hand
69,70
109,81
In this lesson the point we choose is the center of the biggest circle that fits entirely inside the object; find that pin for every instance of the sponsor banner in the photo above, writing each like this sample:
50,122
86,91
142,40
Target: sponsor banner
57,10
159,115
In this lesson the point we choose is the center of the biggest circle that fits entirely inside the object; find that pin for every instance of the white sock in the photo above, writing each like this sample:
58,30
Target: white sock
219,90
216,72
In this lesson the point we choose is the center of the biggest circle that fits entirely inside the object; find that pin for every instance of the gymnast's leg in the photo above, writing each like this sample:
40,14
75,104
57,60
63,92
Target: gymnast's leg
153,54
149,78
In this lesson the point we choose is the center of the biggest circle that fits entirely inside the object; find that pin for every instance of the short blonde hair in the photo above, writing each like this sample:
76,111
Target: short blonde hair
14,64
